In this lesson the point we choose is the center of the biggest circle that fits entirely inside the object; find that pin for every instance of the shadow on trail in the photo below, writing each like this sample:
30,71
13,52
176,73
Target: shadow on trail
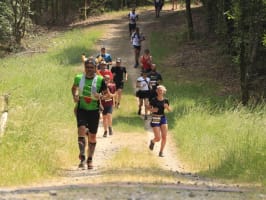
95,22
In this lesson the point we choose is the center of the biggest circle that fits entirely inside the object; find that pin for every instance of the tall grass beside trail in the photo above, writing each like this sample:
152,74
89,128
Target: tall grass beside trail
41,132
215,136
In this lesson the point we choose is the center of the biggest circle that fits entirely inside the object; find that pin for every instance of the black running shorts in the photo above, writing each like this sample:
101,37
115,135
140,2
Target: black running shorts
88,118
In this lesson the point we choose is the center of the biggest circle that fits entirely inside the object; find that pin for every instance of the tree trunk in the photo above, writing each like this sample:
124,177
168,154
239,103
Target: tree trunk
243,53
189,20
57,11
85,9
229,26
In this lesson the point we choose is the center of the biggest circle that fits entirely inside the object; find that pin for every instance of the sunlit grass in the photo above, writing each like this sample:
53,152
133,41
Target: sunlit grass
41,132
215,136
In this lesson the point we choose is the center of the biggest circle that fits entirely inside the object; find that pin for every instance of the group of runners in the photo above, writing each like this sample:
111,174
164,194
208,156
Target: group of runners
99,88
95,92
150,92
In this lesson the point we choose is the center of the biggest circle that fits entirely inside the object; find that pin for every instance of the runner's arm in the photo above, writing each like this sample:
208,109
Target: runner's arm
74,91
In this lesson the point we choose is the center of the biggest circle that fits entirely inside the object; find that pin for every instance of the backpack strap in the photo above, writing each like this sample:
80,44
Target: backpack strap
93,85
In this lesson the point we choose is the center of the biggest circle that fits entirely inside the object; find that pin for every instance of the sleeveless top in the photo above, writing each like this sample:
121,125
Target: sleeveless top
86,98
132,18
146,62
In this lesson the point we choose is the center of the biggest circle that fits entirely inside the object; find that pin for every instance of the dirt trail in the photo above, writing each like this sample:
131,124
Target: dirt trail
77,184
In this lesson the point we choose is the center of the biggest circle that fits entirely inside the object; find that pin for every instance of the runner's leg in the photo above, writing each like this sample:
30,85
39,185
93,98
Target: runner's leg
119,96
164,130
82,145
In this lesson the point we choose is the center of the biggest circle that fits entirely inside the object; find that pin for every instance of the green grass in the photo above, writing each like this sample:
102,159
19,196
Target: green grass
126,119
215,136
41,130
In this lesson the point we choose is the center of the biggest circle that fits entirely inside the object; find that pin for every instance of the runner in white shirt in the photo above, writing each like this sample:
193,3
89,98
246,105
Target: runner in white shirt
143,93
132,17
136,40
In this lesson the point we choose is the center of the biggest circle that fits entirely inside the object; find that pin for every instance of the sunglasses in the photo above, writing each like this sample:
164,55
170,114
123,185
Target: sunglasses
89,67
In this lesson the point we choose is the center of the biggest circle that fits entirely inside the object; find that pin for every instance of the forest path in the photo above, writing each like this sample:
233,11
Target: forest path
79,184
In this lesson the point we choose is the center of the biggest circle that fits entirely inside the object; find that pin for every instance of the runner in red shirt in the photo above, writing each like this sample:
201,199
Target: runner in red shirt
104,71
146,61
107,101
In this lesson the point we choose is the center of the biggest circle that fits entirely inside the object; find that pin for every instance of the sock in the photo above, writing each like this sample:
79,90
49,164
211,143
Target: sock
81,143
91,150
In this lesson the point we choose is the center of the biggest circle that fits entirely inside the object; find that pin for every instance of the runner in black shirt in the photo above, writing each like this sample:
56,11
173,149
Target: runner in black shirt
155,80
119,73
159,122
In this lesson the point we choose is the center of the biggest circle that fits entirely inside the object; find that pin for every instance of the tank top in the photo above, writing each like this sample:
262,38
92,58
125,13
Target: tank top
146,62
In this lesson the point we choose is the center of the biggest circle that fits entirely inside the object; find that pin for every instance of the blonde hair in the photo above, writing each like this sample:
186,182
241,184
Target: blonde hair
163,88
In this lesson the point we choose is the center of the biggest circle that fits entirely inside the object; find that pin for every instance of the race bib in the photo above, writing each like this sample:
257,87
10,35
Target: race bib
155,120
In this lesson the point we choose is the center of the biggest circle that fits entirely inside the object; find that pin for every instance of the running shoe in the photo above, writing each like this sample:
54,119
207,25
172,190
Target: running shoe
161,154
110,131
82,162
105,134
89,164
151,145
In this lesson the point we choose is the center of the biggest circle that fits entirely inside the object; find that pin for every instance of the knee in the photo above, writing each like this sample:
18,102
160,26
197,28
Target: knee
82,131
92,138
164,138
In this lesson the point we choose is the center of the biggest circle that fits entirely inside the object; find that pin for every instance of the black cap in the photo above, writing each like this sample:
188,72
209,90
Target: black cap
89,61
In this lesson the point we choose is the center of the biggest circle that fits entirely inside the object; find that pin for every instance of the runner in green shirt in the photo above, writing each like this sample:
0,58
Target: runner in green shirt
86,91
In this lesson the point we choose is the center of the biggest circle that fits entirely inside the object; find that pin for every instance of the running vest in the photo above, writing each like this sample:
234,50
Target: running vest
87,87
136,39
132,18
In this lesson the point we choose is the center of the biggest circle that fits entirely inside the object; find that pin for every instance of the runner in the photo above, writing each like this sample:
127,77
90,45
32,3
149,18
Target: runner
104,56
104,71
119,73
143,93
86,91
132,17
146,61
158,4
107,101
174,4
136,40
159,122
156,79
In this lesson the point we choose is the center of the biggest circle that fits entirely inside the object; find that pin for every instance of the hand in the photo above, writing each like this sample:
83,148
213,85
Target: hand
155,109
97,95
166,106
76,98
